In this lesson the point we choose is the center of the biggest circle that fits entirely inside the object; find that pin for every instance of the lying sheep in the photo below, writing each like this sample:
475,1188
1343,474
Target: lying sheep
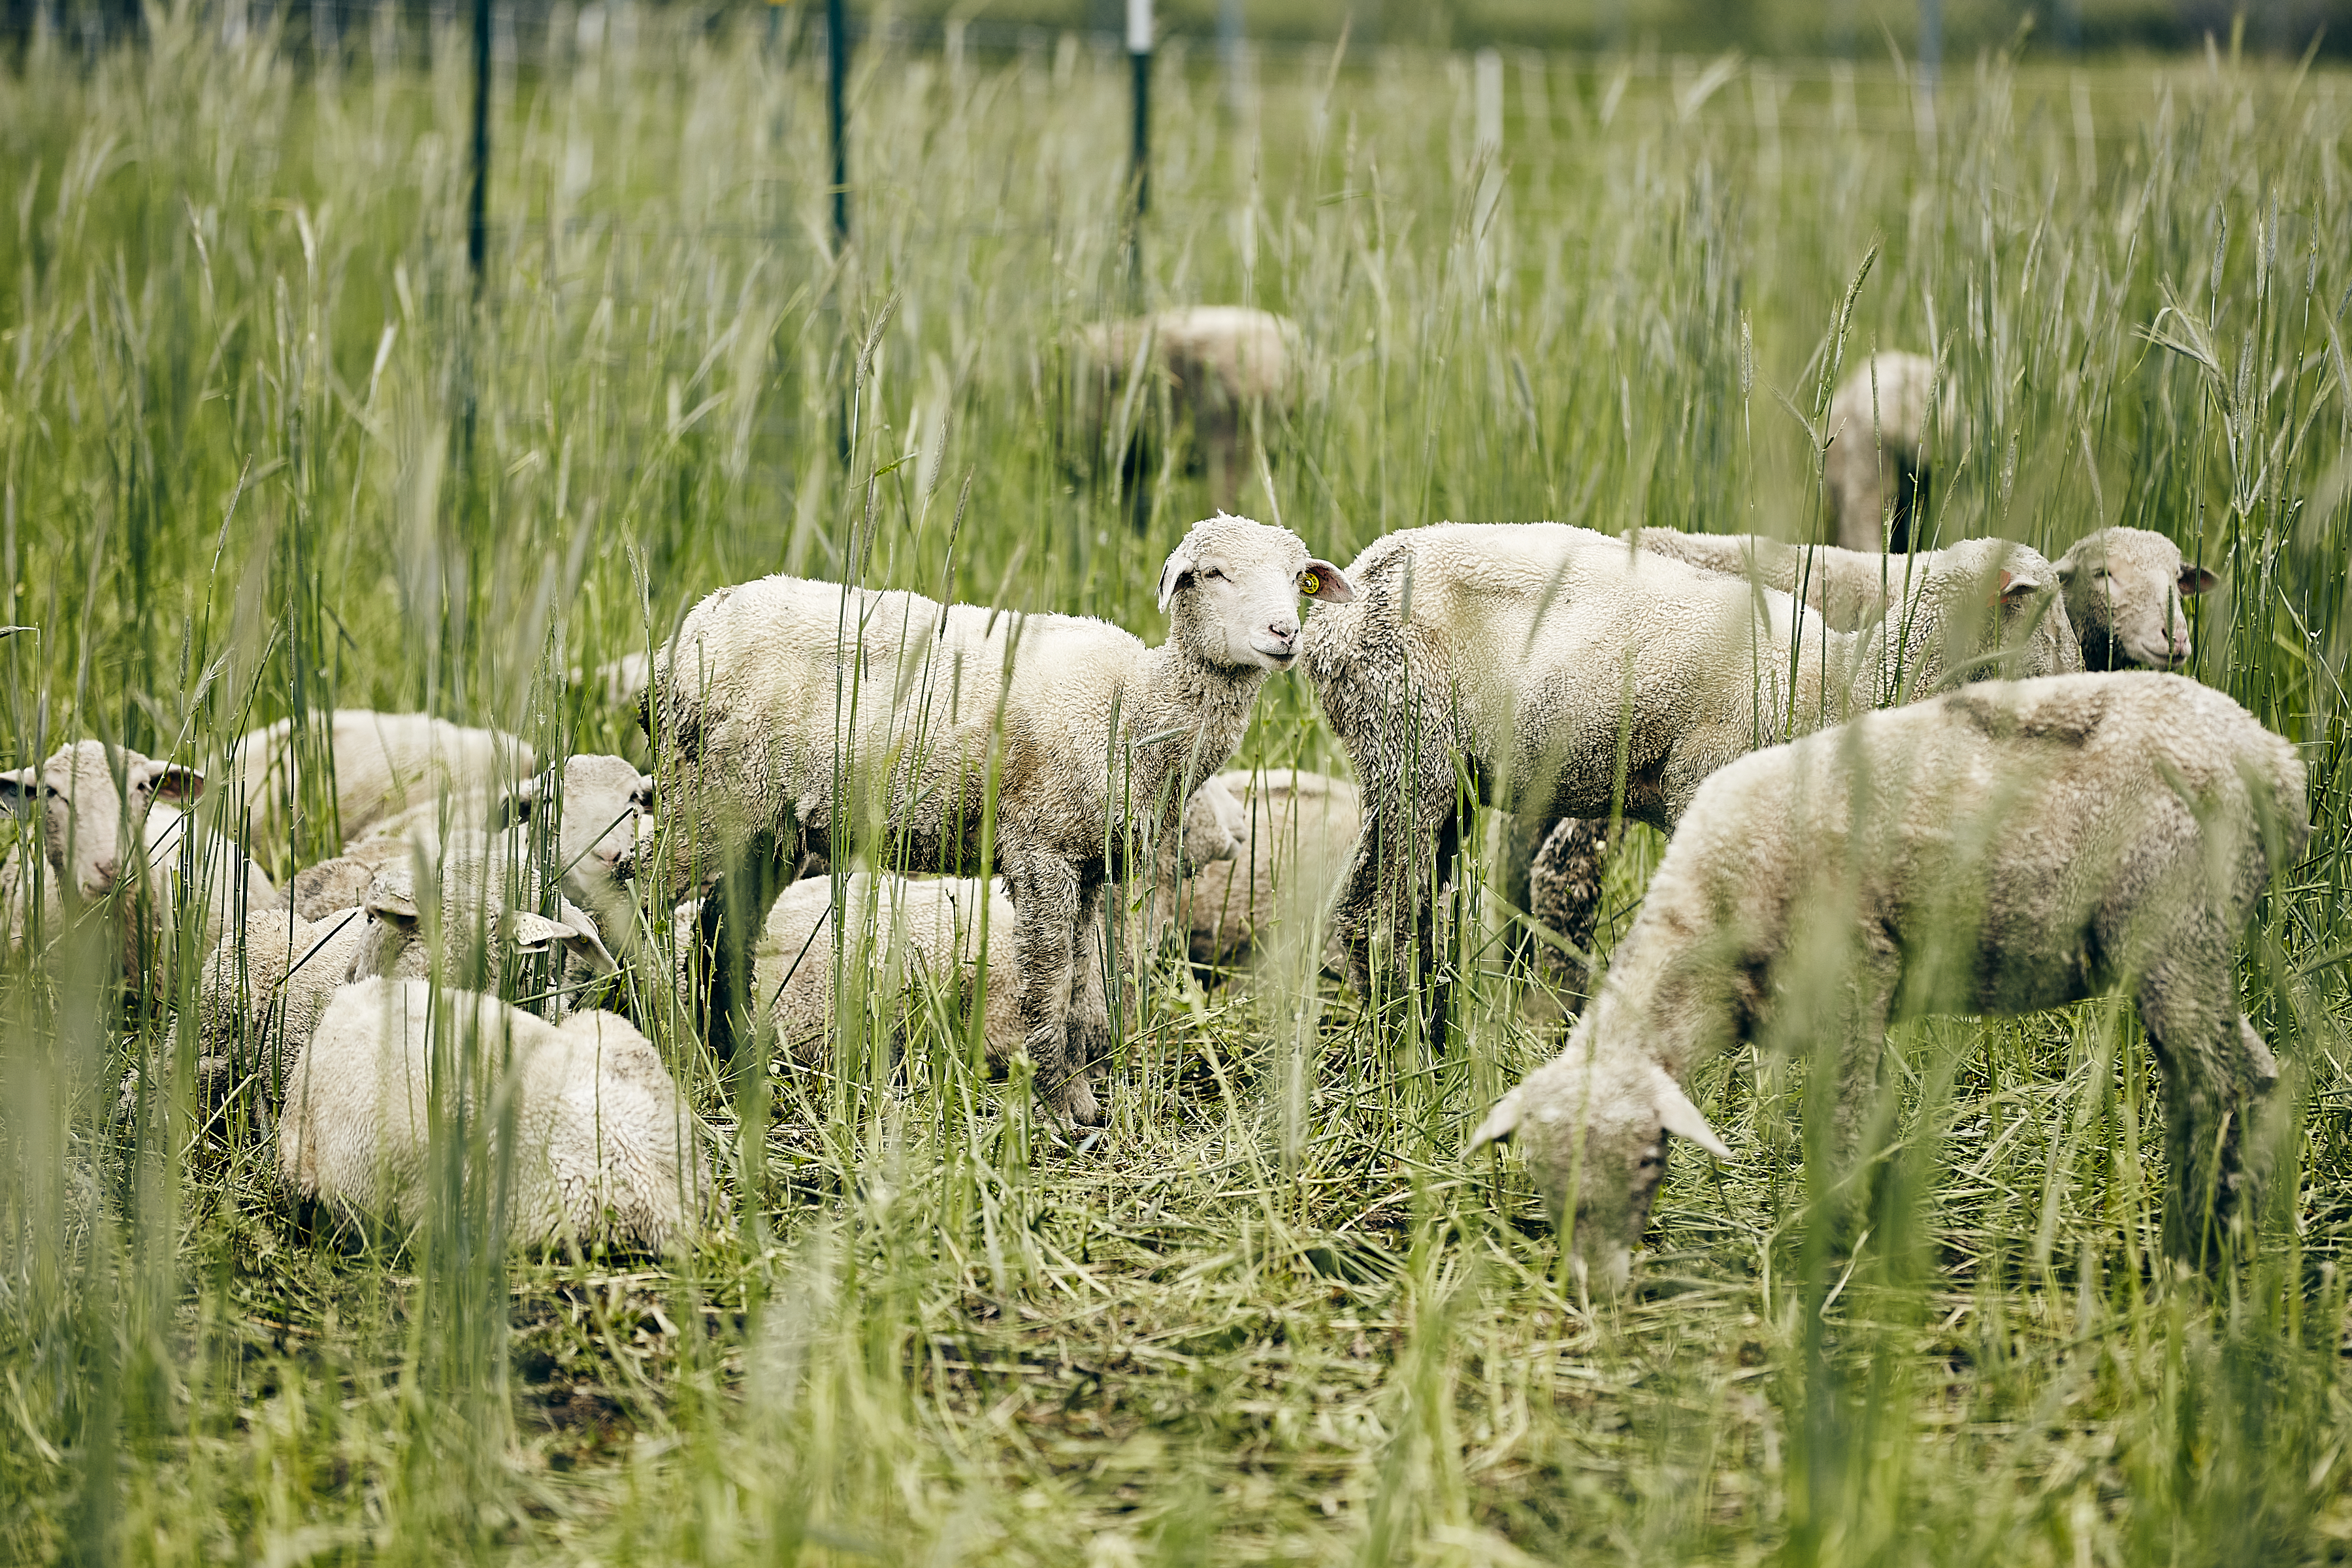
385,764
482,925
1999,850
1879,467
1227,370
1525,651
778,696
1296,841
2124,587
603,1148
261,993
93,799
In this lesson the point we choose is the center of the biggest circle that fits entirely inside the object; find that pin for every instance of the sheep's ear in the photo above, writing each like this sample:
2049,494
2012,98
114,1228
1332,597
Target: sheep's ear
171,782
515,806
537,934
1323,581
392,904
19,789
1501,1122
590,946
1678,1116
1173,576
2196,580
2016,587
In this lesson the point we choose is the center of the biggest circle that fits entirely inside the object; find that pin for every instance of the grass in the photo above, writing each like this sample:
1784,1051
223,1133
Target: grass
263,450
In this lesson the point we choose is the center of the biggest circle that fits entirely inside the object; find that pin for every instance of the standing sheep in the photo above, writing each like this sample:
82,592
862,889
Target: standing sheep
1227,369
1529,653
2000,850
603,1148
1880,465
2124,587
789,714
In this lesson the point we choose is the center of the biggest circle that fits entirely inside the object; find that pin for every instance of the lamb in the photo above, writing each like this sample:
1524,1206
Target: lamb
1226,368
383,763
2124,587
603,1148
788,714
1294,843
1879,468
260,996
1490,643
2002,849
483,911
92,796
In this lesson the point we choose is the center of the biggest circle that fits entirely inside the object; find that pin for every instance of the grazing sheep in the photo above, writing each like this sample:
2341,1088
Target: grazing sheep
2003,850
1879,468
1526,651
87,816
603,1148
2124,587
1226,368
1296,840
384,764
789,714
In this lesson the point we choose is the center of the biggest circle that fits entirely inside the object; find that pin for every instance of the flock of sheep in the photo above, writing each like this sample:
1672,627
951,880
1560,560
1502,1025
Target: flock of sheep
1956,777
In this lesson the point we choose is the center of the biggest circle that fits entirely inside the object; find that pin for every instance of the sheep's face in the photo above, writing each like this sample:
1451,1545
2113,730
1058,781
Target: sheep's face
1595,1132
607,811
2124,591
85,817
1235,584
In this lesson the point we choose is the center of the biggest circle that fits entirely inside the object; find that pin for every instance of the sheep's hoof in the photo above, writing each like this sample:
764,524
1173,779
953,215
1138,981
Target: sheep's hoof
1079,1108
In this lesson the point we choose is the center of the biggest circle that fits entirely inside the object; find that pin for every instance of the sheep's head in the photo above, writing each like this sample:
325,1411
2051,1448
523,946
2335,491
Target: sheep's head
2023,631
1594,1130
1235,587
2123,588
606,808
87,816
396,941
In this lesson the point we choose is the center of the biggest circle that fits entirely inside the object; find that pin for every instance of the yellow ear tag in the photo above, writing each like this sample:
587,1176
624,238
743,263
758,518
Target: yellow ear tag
1310,585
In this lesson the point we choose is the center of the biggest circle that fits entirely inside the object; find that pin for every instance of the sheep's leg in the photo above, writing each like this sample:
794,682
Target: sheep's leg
1046,904
1089,1038
1850,1088
2216,1071
728,934
1564,893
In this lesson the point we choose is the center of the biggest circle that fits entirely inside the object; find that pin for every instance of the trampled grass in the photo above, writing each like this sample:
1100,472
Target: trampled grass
263,451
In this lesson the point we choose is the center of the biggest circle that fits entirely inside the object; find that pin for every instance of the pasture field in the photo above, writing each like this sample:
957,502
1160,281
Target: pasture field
265,448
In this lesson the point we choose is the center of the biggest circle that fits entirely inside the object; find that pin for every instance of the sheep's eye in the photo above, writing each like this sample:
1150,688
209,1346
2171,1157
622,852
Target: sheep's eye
1213,574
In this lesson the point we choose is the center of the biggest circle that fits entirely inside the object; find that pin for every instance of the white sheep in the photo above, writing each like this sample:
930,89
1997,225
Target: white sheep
1296,839
2002,849
483,928
789,714
385,764
1226,369
93,799
602,1147
1880,465
1527,653
2124,587
261,993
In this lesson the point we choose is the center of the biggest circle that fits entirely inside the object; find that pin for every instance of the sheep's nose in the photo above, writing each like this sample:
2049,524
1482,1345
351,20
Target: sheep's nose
106,873
1283,630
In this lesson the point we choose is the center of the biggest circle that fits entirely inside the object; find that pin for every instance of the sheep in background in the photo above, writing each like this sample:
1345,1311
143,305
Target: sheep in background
777,694
2123,588
1228,371
261,993
1529,649
1295,844
385,764
2003,850
603,1148
1879,469
481,912
93,799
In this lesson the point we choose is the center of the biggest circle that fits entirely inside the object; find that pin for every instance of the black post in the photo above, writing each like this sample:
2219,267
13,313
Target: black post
836,72
1138,169
477,200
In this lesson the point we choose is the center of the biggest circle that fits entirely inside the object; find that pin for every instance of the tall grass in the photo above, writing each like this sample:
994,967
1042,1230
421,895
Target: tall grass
264,451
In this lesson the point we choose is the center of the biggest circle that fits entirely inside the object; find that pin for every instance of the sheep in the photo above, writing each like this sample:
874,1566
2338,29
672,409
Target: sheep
2124,587
85,813
1295,842
2002,849
788,713
603,1148
1879,468
1528,650
384,764
260,995
1226,368
482,912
